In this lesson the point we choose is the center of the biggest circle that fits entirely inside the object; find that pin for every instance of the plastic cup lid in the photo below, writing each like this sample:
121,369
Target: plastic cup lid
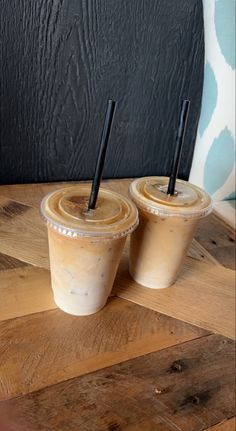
65,210
149,194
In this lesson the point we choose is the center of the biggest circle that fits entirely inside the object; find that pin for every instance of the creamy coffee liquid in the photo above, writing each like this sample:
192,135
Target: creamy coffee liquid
166,229
85,247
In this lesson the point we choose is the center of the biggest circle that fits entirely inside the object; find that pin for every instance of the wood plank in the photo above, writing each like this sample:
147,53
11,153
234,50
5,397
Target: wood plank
226,211
185,387
23,235
197,251
222,221
218,239
32,194
8,262
228,425
203,295
45,348
25,291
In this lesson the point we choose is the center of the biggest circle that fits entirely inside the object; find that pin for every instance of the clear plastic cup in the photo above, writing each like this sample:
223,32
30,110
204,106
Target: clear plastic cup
85,247
166,228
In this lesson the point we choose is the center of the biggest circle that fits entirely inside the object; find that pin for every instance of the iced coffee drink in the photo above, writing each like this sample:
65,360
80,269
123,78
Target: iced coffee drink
85,247
166,228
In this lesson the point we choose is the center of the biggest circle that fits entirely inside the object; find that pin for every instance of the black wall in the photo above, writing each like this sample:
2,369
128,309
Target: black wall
60,62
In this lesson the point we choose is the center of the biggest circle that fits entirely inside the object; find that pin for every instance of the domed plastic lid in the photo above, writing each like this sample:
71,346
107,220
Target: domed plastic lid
66,210
150,194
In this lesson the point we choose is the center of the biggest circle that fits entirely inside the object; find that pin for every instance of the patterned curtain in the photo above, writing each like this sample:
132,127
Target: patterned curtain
213,166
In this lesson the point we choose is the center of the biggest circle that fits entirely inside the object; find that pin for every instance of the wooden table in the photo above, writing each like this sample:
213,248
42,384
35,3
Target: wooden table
128,367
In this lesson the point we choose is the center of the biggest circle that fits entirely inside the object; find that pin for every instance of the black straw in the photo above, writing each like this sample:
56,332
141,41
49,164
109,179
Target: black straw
101,154
179,145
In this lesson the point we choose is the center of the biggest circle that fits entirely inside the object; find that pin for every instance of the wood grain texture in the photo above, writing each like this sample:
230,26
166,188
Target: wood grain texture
197,251
218,239
32,194
228,425
45,348
203,295
23,235
185,387
24,291
189,385
59,63
8,262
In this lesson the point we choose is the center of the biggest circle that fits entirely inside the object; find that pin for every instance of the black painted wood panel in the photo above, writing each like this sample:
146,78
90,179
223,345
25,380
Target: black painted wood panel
60,62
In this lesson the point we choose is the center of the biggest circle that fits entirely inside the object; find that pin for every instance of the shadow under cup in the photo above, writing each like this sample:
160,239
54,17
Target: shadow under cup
166,228
85,247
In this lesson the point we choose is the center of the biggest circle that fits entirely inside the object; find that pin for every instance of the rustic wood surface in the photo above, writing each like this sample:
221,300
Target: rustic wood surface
203,295
49,347
32,194
20,223
219,239
185,387
125,368
8,262
228,425
25,291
